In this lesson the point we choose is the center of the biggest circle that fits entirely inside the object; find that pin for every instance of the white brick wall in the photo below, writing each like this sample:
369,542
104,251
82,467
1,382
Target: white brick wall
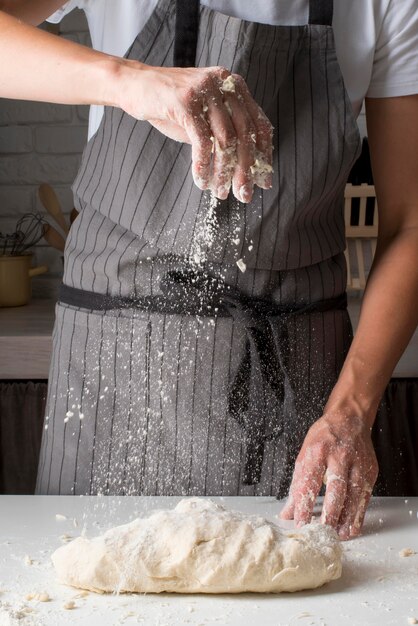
41,143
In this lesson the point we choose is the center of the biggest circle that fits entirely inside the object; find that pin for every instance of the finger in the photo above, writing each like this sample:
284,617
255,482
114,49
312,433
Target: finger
298,479
361,512
357,498
262,168
199,134
336,490
224,146
307,486
242,182
349,524
288,510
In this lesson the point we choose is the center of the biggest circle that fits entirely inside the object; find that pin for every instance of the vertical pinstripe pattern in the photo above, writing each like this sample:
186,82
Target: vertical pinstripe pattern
152,388
155,399
123,183
49,401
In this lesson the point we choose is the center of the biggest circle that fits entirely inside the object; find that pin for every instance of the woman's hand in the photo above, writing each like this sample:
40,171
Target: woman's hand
230,135
337,450
212,110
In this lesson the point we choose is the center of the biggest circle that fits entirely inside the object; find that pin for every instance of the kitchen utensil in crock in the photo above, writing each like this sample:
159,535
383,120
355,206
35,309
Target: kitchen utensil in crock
53,237
51,203
73,215
29,230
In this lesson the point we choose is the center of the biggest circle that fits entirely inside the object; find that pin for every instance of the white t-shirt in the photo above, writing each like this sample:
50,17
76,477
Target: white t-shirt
376,40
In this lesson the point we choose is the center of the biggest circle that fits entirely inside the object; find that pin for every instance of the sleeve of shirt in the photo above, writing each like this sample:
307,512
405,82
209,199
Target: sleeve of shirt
56,17
395,66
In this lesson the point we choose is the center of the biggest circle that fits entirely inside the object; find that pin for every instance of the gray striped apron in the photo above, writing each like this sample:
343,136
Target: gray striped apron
176,376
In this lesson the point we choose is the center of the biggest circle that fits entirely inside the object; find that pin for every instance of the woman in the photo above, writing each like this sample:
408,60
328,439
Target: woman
201,347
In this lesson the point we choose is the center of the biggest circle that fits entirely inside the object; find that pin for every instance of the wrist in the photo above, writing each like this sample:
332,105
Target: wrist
348,407
357,393
119,75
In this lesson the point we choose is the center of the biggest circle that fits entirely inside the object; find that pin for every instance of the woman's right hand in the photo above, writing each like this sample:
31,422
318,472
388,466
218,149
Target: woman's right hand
230,135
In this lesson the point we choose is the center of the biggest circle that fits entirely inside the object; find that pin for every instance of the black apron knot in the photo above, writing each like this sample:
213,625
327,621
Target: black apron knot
262,371
259,371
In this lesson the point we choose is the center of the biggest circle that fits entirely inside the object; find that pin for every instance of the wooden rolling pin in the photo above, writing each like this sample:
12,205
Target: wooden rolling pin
73,215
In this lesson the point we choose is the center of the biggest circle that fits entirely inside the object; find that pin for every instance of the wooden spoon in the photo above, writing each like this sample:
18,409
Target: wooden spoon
73,215
53,237
50,201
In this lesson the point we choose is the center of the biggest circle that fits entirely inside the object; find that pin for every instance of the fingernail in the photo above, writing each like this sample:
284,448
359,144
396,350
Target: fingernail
268,183
344,532
222,192
300,524
200,182
246,192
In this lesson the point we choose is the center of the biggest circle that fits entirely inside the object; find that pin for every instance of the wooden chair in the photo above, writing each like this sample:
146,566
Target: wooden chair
361,238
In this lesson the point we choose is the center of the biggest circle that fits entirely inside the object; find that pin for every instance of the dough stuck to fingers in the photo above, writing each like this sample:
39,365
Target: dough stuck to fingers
244,162
200,547
261,170
228,84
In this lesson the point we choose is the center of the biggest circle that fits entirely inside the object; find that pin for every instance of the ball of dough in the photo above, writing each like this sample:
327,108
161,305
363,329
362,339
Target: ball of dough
200,547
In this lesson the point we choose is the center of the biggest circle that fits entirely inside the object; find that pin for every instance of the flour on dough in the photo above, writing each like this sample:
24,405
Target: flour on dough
200,547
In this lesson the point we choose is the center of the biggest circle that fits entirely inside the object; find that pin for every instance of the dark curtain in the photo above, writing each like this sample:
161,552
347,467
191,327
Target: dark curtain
395,435
22,406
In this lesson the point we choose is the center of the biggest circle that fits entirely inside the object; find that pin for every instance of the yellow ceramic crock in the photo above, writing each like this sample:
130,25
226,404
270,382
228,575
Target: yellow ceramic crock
15,275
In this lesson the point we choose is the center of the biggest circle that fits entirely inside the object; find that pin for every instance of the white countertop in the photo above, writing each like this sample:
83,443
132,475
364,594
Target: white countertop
378,586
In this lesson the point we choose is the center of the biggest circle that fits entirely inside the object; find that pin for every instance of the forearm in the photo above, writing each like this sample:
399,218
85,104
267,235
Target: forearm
389,316
36,65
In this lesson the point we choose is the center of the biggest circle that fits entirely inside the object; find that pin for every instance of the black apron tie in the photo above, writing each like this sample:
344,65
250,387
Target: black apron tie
260,369
321,12
186,33
263,368
187,27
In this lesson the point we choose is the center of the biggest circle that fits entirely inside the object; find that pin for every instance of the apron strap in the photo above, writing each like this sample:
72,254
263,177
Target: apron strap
187,30
320,12
187,27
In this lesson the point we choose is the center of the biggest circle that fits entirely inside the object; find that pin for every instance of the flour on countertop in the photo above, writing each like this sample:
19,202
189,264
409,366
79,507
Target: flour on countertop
21,615
38,596
407,552
70,605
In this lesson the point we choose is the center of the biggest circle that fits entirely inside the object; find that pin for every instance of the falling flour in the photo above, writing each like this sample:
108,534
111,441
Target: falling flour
205,234
201,547
241,265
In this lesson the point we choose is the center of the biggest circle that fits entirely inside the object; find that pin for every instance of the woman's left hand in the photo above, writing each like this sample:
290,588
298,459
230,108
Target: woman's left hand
337,450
